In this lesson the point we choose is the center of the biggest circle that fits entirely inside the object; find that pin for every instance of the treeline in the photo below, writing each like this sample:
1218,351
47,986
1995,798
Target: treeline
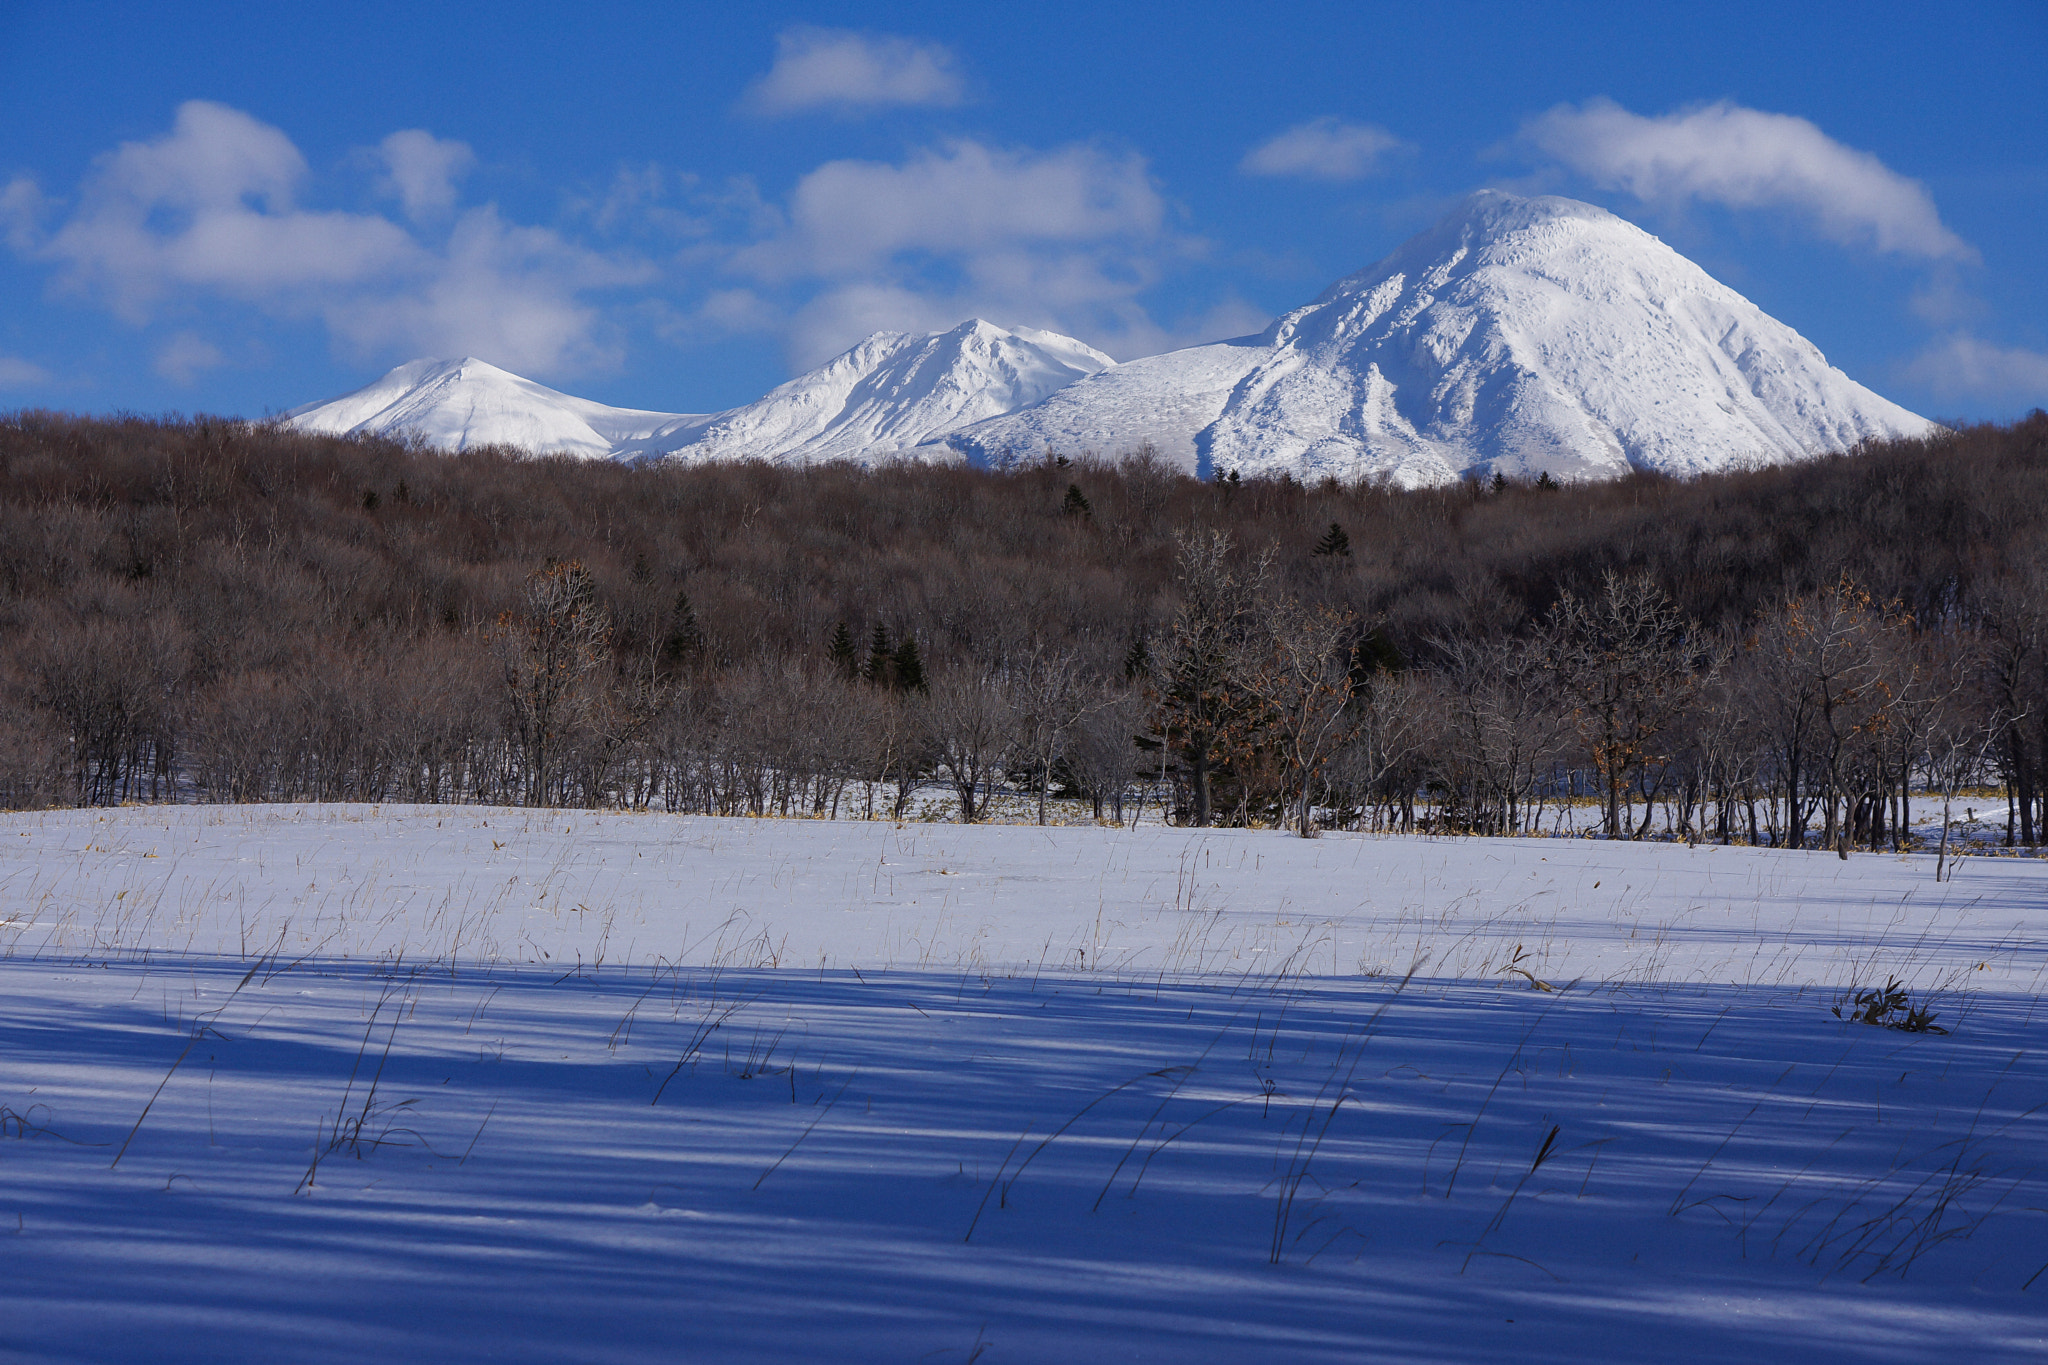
229,611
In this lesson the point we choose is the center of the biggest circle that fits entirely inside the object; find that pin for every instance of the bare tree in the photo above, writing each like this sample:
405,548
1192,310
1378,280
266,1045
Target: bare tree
1390,730
1498,731
1816,680
554,652
970,725
1050,698
1625,660
1103,755
1205,709
1303,675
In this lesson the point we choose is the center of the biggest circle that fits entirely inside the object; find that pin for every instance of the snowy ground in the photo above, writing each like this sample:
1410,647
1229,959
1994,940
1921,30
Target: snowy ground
310,1082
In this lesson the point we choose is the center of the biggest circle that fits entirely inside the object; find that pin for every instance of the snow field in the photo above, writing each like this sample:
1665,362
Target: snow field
305,1082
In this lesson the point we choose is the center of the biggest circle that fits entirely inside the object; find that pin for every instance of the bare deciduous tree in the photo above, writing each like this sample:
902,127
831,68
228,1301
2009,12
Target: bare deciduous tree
1206,712
969,724
1303,675
554,653
1625,660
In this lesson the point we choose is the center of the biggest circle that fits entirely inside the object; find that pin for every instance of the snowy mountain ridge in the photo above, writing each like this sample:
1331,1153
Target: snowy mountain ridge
895,394
461,404
1519,336
1516,336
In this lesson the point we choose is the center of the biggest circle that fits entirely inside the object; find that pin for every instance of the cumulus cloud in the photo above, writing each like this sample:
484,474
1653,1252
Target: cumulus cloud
836,69
1323,149
963,197
1746,158
22,208
16,373
1963,366
421,170
1063,239
498,290
210,210
185,357
211,206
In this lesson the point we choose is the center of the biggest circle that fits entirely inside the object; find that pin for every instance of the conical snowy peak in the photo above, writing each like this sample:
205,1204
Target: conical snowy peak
461,404
891,394
1517,335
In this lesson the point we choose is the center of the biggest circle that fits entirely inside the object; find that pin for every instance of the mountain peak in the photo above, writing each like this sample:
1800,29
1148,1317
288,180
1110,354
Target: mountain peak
895,394
891,394
466,403
1520,336
1516,335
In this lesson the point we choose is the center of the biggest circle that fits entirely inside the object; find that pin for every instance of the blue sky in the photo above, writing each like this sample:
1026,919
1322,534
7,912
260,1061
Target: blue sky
240,208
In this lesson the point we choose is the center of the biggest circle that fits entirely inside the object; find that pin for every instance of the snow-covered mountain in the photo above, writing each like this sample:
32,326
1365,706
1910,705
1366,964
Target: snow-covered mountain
888,396
1517,335
460,404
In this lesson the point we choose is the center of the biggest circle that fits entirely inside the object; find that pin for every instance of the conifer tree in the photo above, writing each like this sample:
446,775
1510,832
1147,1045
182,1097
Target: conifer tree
1544,481
1334,544
1137,660
908,667
684,638
843,653
1075,504
877,669
1500,482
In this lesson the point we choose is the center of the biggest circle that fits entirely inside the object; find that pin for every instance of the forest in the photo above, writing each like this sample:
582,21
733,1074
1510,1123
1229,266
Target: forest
228,611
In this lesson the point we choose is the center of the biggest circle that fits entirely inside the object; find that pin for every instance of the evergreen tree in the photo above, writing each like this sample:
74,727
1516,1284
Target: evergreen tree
1544,480
1076,505
877,669
684,638
1334,543
1137,660
1500,482
843,653
908,667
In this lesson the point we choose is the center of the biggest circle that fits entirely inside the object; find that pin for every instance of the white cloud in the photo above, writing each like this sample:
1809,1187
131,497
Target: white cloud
502,292
1746,158
1962,366
210,206
16,373
1063,239
185,357
210,211
422,169
1323,149
22,207
963,197
821,68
